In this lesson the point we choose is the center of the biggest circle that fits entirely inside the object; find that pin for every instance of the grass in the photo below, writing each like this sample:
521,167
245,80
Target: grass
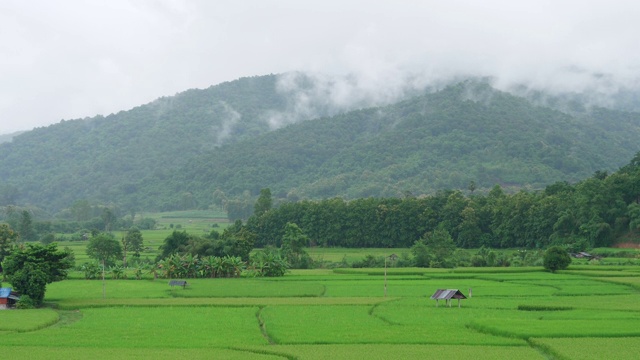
342,324
591,348
27,320
406,351
151,327
586,312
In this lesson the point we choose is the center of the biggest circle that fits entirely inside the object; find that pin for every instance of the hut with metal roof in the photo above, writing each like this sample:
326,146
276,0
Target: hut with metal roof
447,295
8,298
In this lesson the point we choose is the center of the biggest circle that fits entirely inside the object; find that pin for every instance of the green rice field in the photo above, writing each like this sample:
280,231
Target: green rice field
586,312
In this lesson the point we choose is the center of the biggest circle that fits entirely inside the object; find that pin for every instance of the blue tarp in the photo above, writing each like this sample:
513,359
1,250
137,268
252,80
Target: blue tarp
5,292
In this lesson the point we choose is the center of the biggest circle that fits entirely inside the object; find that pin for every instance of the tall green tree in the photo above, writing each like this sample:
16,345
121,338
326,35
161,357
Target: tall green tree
8,239
238,241
421,256
293,243
104,248
441,247
133,242
264,202
176,243
25,227
32,267
109,218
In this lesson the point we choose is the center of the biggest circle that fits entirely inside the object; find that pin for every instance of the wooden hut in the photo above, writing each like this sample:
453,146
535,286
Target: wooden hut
447,295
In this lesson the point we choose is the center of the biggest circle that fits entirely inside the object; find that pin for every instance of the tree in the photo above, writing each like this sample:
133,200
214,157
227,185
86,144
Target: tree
8,238
421,257
556,258
441,246
108,217
32,267
176,243
293,243
237,241
105,248
133,242
264,202
26,229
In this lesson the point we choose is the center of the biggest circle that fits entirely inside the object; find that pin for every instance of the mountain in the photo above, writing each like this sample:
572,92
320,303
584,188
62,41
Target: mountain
244,135
103,158
443,140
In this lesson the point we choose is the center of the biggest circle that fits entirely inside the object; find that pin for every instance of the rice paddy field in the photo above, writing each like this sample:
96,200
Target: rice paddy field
586,312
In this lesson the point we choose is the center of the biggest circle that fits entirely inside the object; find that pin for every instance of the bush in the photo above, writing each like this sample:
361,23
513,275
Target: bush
556,258
25,302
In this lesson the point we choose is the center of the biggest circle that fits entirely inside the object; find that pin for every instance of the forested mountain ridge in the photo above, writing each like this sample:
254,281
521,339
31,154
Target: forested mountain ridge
9,137
444,140
103,158
175,152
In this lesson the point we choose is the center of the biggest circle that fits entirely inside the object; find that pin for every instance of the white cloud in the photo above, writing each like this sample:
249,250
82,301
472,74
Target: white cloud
73,58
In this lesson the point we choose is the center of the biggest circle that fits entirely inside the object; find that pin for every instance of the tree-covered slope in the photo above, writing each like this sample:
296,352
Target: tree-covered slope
468,132
176,151
103,158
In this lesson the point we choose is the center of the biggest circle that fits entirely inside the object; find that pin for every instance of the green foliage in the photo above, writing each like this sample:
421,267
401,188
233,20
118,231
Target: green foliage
25,227
8,238
421,256
556,258
91,270
440,247
32,267
472,134
293,243
264,202
176,243
269,262
26,302
104,248
146,224
133,241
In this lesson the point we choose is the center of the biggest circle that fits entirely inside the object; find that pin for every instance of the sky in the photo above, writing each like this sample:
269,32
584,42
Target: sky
70,59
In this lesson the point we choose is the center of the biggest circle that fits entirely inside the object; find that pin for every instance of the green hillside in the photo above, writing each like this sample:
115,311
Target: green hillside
104,158
176,151
468,132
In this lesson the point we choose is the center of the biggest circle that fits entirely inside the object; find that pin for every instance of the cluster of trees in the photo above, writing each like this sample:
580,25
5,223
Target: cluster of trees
79,218
595,212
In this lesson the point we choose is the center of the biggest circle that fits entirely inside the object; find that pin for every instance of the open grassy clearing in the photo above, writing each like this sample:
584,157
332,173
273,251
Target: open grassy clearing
342,314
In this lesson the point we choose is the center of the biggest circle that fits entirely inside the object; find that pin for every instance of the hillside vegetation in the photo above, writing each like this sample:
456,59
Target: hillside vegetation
175,152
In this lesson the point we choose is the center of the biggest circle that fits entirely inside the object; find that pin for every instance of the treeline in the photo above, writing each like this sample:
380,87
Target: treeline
595,212
80,220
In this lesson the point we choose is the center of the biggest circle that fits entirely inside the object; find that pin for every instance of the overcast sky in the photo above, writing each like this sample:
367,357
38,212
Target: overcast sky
69,59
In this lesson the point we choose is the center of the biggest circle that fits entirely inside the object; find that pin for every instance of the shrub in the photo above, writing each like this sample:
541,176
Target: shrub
25,302
556,258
